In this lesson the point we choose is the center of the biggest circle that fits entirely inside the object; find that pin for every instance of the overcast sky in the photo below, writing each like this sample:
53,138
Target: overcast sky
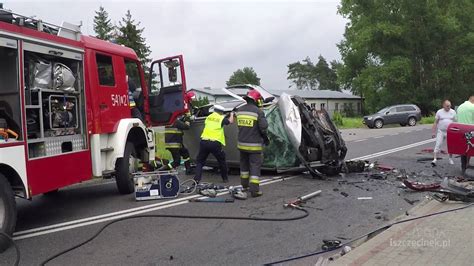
216,37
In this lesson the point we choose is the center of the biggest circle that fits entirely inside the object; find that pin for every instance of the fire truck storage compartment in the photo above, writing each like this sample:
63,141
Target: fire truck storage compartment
54,99
10,111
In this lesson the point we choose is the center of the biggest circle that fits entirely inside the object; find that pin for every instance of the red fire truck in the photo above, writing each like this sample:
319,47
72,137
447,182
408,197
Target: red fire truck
73,107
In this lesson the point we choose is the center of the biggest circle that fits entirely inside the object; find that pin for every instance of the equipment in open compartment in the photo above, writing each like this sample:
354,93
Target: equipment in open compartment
61,112
52,75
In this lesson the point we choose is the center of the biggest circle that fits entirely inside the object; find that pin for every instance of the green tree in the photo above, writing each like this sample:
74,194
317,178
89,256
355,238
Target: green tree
201,101
326,76
306,75
247,75
397,51
302,75
130,35
102,25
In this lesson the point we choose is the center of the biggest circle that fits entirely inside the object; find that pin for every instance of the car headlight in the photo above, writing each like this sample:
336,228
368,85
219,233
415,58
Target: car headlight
369,118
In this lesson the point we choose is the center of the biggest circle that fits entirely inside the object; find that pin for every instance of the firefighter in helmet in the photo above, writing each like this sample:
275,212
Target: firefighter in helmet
213,141
252,137
174,138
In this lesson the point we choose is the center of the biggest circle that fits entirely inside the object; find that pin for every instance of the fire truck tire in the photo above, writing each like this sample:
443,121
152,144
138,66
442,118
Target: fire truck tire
7,212
123,176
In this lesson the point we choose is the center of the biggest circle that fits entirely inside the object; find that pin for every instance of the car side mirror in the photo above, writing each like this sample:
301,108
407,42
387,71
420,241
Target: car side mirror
388,112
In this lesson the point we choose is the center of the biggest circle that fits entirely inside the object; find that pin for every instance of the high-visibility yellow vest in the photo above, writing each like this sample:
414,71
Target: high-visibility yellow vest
213,129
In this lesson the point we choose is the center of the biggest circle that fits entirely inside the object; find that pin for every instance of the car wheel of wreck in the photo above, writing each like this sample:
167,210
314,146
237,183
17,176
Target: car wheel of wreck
330,170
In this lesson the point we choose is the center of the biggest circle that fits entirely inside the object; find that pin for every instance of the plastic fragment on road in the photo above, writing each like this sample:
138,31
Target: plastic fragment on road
384,167
417,186
364,198
430,150
357,166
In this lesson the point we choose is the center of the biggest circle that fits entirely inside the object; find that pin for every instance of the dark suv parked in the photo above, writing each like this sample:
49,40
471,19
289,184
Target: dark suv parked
403,114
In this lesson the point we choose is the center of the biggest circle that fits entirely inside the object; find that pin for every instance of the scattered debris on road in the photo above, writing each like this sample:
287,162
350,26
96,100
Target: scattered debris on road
364,198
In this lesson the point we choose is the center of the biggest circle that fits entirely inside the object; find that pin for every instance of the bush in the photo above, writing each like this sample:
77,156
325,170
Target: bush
427,120
337,119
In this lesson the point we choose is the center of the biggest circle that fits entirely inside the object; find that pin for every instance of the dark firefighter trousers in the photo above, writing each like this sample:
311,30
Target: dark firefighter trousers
177,153
250,164
207,147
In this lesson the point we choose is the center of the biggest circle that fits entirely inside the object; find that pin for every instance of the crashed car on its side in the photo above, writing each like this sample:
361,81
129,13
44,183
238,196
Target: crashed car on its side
301,139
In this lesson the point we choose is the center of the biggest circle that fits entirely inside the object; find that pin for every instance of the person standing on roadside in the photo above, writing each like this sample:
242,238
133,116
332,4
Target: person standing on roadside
443,118
466,116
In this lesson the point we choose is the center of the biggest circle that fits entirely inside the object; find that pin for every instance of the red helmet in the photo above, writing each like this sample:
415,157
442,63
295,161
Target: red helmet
254,95
189,96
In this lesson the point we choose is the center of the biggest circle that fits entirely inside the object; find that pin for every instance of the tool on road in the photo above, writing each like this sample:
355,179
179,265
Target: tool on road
216,200
238,193
156,185
209,192
331,244
302,199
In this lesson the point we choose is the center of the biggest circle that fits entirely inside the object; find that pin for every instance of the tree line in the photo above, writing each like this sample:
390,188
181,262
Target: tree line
392,52
127,32
398,51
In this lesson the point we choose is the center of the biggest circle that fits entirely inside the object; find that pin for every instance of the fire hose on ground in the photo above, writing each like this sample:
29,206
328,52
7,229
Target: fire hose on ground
294,205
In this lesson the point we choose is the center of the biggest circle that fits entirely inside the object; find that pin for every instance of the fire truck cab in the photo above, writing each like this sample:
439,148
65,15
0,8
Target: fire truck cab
73,107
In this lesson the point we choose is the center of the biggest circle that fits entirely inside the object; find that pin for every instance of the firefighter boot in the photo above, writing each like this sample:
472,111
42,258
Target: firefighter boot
189,169
244,180
255,187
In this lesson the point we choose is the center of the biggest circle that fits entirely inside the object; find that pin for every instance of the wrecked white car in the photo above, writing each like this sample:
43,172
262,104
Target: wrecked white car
301,139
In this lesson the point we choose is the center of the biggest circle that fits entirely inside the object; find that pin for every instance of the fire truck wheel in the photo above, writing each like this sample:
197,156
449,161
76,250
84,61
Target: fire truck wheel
124,167
7,212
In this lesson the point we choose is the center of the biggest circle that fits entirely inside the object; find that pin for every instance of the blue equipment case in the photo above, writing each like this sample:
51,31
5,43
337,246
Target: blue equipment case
156,185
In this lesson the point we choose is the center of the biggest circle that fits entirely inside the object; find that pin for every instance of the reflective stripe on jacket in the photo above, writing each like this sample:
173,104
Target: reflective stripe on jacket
252,126
173,138
174,134
131,100
213,129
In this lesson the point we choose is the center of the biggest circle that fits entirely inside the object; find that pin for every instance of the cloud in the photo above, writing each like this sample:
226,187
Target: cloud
217,37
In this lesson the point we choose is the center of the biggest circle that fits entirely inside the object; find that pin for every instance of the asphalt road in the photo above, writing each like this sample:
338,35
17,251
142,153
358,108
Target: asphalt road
49,224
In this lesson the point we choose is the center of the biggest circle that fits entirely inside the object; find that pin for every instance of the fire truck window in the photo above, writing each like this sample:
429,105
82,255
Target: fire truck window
10,115
105,70
133,73
155,79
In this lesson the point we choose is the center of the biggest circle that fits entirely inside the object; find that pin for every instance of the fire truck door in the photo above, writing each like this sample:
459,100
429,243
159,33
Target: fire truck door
112,91
167,89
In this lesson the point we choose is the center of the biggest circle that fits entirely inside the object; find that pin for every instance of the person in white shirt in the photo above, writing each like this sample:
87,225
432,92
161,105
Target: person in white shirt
443,118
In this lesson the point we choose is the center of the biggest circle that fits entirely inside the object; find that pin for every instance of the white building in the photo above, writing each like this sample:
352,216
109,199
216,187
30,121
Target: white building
332,101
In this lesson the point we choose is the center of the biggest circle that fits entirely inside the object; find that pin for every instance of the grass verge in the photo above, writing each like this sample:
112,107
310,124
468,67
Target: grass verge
427,120
351,122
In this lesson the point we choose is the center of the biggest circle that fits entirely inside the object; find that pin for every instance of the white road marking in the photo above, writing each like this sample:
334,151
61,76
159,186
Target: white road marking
359,140
120,214
168,204
379,137
406,147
